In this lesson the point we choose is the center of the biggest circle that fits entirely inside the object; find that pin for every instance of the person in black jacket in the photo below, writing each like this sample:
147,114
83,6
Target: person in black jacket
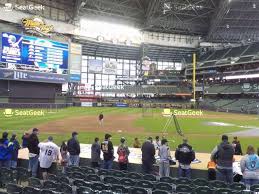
148,156
108,151
73,147
185,155
34,151
237,146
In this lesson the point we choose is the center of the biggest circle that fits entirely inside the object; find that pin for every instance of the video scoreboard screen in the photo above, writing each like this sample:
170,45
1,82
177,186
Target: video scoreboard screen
34,51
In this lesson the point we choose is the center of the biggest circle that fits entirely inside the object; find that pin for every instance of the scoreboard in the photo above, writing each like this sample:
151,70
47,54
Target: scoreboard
33,51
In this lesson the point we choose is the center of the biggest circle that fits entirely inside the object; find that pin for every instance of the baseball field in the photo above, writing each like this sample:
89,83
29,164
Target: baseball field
203,131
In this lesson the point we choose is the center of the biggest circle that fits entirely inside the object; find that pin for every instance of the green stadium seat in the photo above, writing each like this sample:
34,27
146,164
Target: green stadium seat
110,180
200,182
87,170
149,177
255,188
119,189
127,182
92,177
237,186
47,191
145,184
14,189
137,190
35,182
63,179
164,187
6,176
103,172
160,192
52,177
117,173
97,186
202,190
51,185
81,183
134,175
78,175
30,190
84,190
183,188
23,174
217,184
183,181
65,188
169,180
224,191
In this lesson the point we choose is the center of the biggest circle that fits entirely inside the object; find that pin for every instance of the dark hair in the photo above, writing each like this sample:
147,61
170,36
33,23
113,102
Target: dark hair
107,136
164,141
13,137
96,139
123,140
136,138
224,138
74,134
250,150
35,130
5,135
63,146
157,137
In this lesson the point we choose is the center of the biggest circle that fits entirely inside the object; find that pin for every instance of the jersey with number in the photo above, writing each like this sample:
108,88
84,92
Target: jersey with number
49,152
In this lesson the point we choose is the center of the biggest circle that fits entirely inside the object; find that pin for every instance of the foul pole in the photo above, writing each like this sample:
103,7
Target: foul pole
194,77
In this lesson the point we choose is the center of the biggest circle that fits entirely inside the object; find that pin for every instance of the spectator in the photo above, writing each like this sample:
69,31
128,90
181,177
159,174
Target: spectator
64,156
123,155
49,152
73,147
108,151
250,167
223,157
15,150
136,143
165,157
211,170
34,151
95,153
148,156
157,143
5,151
25,138
185,155
237,146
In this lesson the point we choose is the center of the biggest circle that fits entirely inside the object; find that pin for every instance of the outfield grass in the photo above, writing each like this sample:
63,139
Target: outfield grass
202,137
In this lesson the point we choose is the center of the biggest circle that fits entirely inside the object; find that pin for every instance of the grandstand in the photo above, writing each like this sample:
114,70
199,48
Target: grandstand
128,59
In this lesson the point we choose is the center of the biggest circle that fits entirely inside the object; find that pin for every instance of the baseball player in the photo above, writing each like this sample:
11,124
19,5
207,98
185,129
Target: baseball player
101,119
49,152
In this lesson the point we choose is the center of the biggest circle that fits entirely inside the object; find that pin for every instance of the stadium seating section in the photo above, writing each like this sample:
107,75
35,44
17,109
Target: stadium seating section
241,54
85,180
150,89
232,105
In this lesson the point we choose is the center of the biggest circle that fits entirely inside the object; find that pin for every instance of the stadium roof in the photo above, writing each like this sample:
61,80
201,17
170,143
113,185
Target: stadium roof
214,20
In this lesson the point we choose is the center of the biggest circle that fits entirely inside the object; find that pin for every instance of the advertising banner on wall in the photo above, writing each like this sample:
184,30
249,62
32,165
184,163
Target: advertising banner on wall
9,74
95,66
110,67
75,62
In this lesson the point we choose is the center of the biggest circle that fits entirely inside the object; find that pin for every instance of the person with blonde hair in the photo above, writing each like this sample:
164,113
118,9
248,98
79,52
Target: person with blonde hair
250,167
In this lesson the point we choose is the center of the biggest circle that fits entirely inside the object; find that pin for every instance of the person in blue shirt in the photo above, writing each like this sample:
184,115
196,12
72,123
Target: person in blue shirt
14,152
5,151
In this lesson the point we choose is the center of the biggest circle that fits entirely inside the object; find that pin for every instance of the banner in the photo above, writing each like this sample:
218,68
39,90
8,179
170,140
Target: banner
110,67
9,74
95,66
121,104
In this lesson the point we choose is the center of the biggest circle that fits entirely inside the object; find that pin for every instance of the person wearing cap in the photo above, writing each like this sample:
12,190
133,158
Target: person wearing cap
49,152
185,155
223,155
34,151
123,154
165,157
237,146
108,151
14,152
73,147
5,151
148,156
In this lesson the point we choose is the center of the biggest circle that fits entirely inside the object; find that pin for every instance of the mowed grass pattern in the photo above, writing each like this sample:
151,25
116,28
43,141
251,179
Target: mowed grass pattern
201,136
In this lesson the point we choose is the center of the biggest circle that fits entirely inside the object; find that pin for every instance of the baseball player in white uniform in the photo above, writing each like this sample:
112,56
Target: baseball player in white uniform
49,152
